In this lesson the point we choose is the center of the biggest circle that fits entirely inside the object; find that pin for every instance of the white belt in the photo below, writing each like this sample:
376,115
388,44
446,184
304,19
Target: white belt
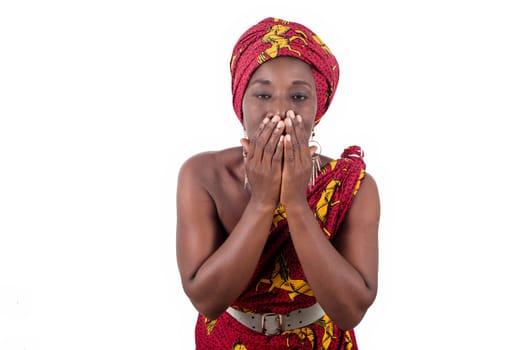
274,324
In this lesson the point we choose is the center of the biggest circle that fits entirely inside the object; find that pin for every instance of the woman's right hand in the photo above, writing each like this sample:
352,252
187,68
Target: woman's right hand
263,163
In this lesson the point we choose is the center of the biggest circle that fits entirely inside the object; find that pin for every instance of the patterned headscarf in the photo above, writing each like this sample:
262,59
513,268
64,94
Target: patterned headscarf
273,37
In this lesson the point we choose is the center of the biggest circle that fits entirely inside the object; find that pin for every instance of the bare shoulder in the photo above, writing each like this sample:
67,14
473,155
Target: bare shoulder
367,201
370,182
206,167
194,164
357,239
210,181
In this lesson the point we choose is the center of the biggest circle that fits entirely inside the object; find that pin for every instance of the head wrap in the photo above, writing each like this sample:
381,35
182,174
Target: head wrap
272,38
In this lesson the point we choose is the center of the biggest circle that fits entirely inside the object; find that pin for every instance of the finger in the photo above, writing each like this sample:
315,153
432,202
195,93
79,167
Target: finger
300,129
289,155
262,136
271,146
253,140
292,132
279,152
302,137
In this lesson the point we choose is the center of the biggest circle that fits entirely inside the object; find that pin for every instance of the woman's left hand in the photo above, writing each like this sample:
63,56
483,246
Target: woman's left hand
298,162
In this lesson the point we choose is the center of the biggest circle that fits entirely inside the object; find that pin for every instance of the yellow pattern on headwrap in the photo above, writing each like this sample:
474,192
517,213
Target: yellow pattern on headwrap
274,36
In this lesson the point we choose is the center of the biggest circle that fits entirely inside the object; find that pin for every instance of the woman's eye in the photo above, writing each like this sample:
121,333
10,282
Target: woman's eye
299,97
262,96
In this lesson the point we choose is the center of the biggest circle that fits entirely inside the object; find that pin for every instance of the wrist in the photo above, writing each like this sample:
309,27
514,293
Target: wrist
297,206
261,206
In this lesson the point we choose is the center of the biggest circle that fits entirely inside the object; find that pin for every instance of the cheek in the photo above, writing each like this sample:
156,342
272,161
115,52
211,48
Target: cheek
247,118
308,116
250,111
249,128
308,111
309,128
314,108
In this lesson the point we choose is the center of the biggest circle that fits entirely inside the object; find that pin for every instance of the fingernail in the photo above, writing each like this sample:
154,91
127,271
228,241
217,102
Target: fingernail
299,118
288,122
265,120
275,118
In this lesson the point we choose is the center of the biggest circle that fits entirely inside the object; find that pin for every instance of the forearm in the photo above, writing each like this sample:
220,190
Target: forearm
225,274
338,286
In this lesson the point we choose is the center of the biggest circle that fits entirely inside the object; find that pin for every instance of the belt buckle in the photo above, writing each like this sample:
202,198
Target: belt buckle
275,331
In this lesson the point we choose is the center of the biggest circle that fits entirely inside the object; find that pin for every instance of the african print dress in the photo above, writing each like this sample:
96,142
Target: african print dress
279,285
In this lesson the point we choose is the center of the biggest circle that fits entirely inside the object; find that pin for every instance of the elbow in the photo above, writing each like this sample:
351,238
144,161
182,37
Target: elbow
209,311
350,320
205,304
351,314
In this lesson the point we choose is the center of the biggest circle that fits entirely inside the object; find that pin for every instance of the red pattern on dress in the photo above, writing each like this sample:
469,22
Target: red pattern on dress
330,199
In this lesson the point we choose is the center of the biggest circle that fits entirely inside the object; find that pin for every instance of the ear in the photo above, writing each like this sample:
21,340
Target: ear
312,150
245,142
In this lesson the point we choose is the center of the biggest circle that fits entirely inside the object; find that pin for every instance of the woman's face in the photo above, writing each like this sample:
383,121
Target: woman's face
279,85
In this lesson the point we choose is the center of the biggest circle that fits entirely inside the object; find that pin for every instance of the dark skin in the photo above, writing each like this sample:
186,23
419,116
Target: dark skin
222,228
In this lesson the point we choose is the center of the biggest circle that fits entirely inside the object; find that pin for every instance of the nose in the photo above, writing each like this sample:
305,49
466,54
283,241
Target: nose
280,106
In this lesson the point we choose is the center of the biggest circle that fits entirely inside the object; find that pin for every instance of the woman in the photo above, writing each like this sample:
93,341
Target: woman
277,246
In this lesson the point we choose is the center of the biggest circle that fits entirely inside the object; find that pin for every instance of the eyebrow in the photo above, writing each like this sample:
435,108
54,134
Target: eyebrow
260,81
268,82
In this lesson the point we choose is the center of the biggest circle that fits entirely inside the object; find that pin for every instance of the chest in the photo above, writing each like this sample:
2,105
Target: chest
230,199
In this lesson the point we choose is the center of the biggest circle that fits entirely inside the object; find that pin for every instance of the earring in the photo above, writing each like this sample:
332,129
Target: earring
316,160
244,155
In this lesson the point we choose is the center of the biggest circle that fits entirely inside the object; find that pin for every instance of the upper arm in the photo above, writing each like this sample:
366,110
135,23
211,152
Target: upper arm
198,233
357,239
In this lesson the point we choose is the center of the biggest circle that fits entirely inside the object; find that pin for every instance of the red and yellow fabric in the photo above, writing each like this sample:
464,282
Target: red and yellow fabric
279,285
272,38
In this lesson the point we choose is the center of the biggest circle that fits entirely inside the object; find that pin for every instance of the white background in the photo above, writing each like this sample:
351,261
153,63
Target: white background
102,101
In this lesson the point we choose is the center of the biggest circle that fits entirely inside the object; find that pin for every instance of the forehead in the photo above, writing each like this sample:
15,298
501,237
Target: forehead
284,67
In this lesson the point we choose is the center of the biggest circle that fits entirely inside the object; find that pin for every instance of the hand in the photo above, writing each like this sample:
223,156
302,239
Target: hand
298,162
263,163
